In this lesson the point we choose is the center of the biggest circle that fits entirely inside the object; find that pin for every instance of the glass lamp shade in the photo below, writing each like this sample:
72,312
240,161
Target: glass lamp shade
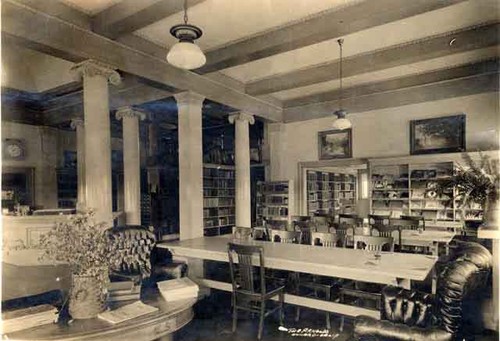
341,123
186,55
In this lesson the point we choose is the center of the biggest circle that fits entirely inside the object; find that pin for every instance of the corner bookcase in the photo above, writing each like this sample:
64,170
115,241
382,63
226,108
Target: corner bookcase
329,192
409,189
275,203
218,199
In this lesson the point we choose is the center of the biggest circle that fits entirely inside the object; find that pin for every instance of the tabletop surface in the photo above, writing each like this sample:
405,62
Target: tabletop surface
96,329
339,262
425,237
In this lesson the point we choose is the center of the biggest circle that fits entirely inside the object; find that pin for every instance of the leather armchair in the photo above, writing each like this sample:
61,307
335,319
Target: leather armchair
451,315
136,258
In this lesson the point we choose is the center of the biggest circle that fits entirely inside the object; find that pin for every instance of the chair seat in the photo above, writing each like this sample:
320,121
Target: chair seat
373,329
271,290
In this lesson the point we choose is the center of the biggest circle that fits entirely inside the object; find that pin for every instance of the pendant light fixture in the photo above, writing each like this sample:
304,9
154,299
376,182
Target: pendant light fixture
341,123
186,54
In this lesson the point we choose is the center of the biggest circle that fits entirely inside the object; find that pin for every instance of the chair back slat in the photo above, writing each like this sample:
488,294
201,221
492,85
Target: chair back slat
371,243
244,275
324,239
288,237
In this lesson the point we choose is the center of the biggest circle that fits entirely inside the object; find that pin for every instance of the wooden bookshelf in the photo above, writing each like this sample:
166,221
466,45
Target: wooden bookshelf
330,192
218,199
274,203
409,189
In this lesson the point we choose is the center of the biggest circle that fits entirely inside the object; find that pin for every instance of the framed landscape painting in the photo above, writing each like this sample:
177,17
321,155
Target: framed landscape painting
335,144
438,135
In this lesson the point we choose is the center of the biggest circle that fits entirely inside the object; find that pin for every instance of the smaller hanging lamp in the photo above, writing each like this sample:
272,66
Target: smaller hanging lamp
341,123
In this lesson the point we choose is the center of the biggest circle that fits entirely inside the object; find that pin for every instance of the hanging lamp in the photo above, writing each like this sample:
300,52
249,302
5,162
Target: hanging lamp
185,54
341,123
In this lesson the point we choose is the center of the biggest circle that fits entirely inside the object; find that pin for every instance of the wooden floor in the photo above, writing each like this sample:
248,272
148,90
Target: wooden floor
212,322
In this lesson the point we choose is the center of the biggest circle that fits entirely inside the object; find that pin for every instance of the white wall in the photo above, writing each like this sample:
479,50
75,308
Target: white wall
383,133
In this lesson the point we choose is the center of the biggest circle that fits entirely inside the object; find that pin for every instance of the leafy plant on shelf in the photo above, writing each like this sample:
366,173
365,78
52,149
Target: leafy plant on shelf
80,242
475,182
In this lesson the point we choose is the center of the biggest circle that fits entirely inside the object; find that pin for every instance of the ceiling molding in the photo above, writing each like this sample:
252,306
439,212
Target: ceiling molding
426,93
412,52
465,70
128,16
325,26
41,29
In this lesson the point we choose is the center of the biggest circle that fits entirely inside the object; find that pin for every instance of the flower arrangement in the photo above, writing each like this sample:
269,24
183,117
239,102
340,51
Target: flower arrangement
79,242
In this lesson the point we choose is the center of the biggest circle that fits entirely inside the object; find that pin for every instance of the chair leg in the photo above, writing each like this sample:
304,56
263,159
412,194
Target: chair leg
342,320
281,310
297,314
235,314
261,320
328,325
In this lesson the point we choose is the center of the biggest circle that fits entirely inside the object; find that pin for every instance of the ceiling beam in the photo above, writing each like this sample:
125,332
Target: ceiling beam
58,36
324,26
131,15
65,109
470,69
429,92
412,52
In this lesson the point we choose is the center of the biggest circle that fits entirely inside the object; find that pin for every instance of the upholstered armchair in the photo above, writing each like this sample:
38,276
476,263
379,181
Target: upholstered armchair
452,314
136,258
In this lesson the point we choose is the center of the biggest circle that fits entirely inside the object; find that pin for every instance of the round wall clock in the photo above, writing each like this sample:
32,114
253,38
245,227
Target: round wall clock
13,149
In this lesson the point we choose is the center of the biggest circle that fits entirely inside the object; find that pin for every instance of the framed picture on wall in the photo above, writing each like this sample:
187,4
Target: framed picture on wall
438,135
335,144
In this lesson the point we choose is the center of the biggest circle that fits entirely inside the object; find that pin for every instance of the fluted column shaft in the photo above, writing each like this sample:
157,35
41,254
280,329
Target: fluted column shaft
190,165
78,125
131,163
95,77
242,163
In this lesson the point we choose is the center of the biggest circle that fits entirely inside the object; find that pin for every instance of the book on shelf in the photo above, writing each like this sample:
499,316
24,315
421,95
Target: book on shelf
127,312
178,289
26,318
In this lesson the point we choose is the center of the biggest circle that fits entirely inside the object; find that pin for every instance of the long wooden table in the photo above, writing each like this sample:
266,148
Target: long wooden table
398,269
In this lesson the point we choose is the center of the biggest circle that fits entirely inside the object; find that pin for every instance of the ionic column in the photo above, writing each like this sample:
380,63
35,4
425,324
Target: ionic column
190,165
131,163
95,77
242,162
78,125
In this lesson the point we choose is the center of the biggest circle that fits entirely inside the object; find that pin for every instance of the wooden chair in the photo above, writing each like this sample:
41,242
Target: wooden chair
328,286
243,233
324,239
414,218
371,243
388,231
405,224
378,219
289,237
366,291
349,219
250,288
345,234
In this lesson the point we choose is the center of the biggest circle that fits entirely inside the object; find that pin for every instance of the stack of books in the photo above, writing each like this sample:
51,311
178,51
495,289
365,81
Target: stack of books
127,312
21,319
123,291
178,289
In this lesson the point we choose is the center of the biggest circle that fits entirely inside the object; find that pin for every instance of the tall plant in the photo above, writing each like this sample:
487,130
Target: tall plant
476,181
80,242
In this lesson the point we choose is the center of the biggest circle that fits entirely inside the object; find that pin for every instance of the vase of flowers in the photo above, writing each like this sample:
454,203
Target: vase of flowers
84,245
477,182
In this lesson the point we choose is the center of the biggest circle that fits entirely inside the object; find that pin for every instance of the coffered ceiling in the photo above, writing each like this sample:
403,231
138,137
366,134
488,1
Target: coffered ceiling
277,59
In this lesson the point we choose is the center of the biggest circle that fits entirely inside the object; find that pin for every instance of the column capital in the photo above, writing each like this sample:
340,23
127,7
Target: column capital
93,68
241,116
129,112
189,97
77,122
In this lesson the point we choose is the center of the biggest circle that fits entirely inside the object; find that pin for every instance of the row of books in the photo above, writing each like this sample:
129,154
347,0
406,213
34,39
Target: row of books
217,192
219,173
219,183
221,221
216,202
273,211
325,176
